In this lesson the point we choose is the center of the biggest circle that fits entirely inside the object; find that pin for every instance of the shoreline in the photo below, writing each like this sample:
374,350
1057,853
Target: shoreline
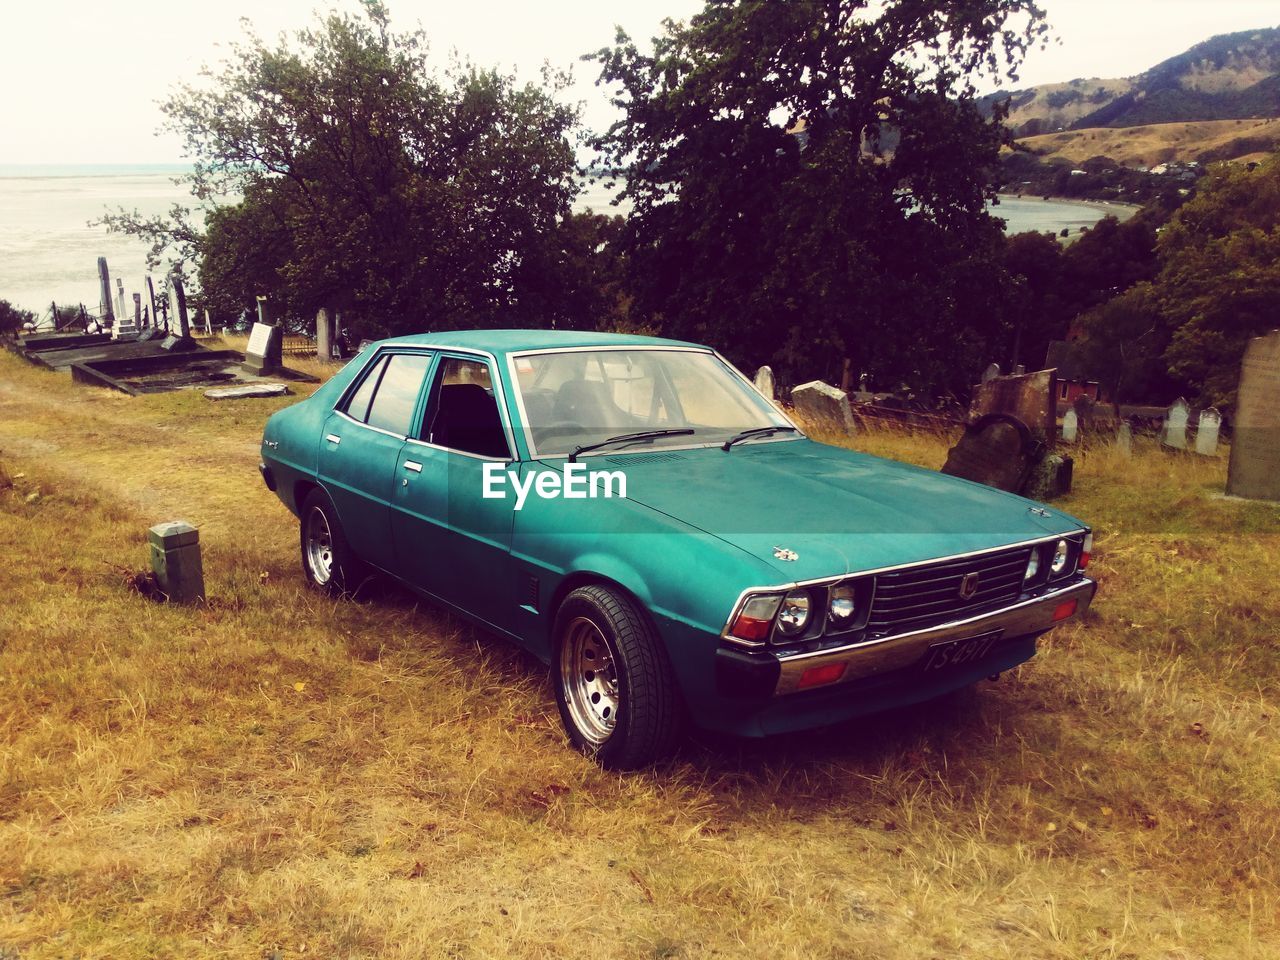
1103,204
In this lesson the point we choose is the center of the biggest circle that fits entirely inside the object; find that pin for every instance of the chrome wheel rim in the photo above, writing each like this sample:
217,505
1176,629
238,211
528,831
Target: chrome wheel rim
589,678
319,546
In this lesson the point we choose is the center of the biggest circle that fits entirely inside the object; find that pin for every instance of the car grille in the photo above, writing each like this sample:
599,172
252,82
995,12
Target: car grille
927,596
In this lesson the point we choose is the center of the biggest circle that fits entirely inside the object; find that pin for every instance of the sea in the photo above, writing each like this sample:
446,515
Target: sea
49,247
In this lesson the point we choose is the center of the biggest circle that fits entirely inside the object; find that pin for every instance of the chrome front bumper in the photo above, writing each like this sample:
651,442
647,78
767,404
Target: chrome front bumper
892,653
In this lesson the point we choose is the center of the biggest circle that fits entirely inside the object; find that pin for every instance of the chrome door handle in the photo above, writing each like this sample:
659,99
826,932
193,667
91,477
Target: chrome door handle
415,467
333,438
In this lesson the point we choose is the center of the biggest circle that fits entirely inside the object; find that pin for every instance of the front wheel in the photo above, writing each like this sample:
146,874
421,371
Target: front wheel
615,688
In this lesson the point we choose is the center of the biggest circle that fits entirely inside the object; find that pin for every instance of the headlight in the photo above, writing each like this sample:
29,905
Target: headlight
842,606
1033,566
1061,554
793,617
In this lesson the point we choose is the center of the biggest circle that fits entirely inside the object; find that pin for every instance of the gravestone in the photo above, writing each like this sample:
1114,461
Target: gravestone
991,373
175,560
175,344
104,292
764,382
179,297
263,354
137,310
1254,470
1070,426
994,451
1124,439
822,402
325,333
1028,397
1175,426
122,310
1207,432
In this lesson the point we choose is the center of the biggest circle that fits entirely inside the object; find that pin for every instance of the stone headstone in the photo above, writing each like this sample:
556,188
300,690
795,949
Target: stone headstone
1207,432
1255,445
1028,397
991,373
993,454
179,297
764,382
122,310
263,354
1070,426
104,292
1019,370
326,333
821,401
1175,425
1050,478
1124,439
137,309
175,344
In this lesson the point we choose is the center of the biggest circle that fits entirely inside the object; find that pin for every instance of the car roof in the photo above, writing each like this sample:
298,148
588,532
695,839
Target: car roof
500,342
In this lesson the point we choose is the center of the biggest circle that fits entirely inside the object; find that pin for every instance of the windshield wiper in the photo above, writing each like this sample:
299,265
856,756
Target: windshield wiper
757,432
629,438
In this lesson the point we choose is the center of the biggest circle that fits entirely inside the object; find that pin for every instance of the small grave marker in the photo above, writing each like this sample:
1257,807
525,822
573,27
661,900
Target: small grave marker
1124,439
1070,426
764,382
1207,432
175,560
823,402
1175,425
992,371
263,354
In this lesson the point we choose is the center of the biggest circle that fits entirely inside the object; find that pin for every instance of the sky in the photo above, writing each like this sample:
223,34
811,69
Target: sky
80,79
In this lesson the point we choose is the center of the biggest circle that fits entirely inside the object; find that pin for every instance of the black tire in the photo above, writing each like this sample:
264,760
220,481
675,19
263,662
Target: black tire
639,690
345,572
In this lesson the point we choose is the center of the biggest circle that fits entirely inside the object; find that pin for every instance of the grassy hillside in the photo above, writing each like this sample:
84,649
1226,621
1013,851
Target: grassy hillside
277,774
1161,143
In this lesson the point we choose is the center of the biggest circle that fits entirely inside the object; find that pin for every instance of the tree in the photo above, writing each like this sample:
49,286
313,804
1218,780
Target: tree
1220,276
367,182
12,318
809,179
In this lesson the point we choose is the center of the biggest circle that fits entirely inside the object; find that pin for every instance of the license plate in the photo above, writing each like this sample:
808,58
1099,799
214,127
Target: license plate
957,653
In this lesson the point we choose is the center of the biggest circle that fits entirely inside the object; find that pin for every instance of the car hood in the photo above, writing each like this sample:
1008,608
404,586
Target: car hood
837,511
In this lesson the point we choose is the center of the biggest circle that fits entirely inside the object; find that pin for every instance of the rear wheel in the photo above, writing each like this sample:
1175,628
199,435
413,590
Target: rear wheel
615,688
327,559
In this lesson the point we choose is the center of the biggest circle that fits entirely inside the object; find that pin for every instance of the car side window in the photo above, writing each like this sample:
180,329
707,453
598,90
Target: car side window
397,392
358,404
464,413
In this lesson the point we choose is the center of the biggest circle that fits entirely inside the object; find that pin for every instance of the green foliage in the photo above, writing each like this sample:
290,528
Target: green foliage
12,318
1220,277
770,216
368,182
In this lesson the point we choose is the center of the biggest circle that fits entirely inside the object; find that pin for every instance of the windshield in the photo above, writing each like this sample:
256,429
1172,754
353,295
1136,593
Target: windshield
582,397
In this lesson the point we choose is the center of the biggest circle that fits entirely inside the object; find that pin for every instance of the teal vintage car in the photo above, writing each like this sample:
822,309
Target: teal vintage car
637,515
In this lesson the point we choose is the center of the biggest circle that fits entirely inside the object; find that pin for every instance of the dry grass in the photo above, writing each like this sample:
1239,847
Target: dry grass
1155,143
279,772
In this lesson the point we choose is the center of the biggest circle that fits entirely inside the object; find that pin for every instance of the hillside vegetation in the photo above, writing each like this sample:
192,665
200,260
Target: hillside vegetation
1147,146
276,774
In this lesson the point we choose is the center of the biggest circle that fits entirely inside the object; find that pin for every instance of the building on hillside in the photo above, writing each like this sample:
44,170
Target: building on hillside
1074,380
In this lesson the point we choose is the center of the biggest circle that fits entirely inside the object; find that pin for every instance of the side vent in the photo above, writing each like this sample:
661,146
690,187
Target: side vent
531,594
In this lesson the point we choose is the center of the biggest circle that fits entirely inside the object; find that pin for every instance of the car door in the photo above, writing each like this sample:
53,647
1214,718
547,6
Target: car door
360,449
450,540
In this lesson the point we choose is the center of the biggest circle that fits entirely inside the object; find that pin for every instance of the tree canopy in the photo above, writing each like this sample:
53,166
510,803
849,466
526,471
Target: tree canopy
809,180
364,180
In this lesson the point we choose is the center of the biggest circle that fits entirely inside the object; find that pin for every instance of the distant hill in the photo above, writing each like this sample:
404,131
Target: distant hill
1235,76
1147,146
